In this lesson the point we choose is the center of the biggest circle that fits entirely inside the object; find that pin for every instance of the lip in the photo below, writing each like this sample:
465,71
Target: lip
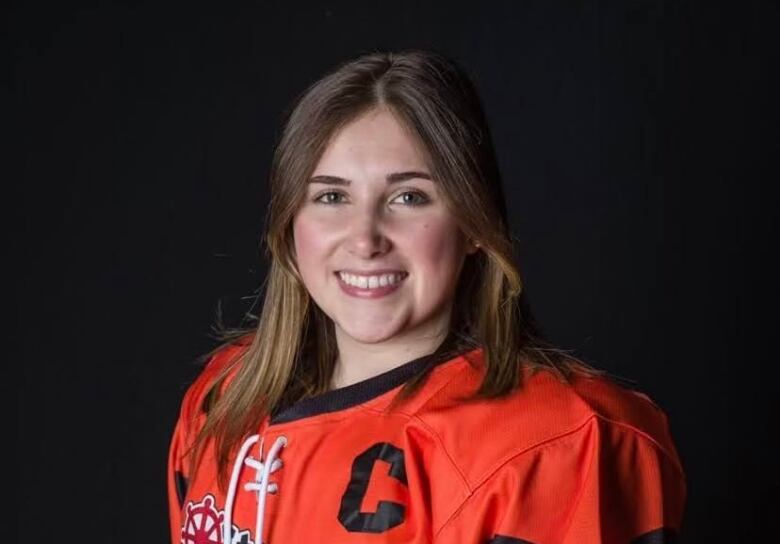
377,272
377,292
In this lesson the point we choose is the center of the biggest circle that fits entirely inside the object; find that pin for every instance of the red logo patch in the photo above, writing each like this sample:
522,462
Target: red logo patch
203,524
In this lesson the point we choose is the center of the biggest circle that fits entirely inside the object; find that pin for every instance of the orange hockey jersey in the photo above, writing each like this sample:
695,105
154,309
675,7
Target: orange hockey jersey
551,463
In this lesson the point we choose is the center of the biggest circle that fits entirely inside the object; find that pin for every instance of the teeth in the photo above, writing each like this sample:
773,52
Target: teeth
371,282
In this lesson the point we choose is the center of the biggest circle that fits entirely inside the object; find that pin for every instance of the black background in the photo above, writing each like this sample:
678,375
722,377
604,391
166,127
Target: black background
636,141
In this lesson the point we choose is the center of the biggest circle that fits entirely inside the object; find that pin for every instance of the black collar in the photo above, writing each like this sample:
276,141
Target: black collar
363,391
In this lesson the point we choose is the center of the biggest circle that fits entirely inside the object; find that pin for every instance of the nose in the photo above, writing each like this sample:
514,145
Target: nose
366,237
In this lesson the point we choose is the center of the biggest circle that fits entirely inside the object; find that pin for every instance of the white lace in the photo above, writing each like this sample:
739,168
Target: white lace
260,485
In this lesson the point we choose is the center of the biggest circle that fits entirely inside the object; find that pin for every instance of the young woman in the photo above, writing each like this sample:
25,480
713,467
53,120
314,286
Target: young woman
395,388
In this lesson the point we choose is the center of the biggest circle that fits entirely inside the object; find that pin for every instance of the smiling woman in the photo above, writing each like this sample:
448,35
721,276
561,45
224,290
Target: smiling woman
381,257
395,388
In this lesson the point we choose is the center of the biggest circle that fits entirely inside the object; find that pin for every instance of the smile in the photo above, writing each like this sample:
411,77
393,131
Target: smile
372,286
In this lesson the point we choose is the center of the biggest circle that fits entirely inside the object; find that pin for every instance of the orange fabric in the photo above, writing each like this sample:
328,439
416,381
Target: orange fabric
551,463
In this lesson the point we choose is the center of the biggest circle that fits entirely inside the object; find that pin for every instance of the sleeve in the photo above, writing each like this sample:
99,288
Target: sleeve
603,483
177,479
191,419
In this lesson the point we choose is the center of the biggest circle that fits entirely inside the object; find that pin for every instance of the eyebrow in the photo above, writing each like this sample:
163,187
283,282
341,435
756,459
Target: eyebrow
391,178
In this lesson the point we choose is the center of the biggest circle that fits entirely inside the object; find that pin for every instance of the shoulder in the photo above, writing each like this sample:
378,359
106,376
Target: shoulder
482,436
589,461
219,362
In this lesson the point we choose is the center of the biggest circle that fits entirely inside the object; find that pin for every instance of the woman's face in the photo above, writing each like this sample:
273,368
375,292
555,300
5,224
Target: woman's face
378,250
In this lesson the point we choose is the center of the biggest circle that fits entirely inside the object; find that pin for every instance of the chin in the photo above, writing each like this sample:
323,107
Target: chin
369,335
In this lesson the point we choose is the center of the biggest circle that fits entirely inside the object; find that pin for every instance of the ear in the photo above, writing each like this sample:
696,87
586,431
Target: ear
472,246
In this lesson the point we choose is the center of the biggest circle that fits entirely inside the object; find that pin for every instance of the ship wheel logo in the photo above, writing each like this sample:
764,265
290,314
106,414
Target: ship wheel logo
203,523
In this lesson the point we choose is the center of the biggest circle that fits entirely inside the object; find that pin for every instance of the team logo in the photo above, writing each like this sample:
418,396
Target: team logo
203,524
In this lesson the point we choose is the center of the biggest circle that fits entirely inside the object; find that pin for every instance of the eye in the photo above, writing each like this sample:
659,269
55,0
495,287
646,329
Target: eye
332,197
412,198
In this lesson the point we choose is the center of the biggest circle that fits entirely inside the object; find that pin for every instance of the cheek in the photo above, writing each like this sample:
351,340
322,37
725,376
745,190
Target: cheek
437,245
310,247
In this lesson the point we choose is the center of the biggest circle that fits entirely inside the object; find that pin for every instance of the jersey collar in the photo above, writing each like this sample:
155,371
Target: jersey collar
369,389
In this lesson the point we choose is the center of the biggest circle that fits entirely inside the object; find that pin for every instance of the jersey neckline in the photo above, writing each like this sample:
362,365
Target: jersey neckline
368,389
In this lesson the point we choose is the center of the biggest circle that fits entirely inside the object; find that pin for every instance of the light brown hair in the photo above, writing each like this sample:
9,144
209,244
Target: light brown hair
292,355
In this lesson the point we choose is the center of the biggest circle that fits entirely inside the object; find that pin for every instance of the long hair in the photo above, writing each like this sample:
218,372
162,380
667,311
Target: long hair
292,352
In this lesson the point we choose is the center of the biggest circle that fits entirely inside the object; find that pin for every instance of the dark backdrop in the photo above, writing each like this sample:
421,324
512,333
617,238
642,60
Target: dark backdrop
636,141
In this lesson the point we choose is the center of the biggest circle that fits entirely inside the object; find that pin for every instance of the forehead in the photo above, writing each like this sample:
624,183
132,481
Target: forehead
375,141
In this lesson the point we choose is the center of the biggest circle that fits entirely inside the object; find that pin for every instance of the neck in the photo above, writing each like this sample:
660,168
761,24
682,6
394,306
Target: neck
359,361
